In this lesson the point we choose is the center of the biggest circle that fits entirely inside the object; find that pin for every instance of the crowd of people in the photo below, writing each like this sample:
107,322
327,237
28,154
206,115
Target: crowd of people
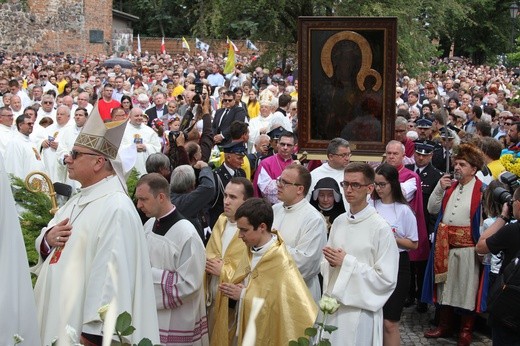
224,211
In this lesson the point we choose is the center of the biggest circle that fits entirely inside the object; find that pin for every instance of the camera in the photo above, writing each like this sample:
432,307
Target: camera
502,195
198,88
173,135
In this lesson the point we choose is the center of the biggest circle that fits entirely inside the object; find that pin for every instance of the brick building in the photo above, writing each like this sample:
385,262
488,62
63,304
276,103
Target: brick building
71,26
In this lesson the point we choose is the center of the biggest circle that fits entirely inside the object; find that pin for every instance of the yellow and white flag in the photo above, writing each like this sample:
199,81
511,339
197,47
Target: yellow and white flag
230,62
185,44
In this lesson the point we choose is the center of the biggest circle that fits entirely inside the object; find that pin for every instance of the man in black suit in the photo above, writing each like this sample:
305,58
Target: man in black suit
159,109
234,153
429,176
224,117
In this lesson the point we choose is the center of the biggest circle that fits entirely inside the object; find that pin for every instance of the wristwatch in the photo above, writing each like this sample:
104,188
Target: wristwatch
505,218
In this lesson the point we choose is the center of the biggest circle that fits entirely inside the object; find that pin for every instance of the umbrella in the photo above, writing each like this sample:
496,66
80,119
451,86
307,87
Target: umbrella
118,61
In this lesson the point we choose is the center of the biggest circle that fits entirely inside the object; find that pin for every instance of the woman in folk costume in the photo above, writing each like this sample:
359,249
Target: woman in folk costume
454,277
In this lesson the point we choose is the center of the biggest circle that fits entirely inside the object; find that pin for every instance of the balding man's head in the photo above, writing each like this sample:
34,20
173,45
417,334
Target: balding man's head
395,153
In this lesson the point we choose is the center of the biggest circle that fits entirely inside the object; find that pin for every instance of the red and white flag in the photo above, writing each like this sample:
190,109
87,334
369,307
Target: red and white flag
163,46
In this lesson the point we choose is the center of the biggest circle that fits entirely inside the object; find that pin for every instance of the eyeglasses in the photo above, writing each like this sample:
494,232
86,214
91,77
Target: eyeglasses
354,186
344,155
380,185
47,102
227,100
43,75
508,123
282,182
74,154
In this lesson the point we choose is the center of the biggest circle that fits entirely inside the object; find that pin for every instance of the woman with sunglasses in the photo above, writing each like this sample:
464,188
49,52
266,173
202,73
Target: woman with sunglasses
390,203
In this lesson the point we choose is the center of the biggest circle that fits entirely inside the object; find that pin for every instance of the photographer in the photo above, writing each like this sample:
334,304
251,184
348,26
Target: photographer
501,236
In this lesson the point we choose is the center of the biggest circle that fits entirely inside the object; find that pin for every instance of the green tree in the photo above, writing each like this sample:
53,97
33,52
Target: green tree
476,28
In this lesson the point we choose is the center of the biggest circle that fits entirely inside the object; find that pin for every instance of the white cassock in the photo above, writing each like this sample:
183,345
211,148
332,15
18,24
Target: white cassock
304,231
42,114
49,86
147,136
178,261
66,139
49,155
73,285
6,134
364,281
255,125
16,297
324,171
277,118
22,157
26,100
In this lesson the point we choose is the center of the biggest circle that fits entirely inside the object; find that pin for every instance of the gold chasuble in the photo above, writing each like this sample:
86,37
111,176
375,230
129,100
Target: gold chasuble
235,251
289,307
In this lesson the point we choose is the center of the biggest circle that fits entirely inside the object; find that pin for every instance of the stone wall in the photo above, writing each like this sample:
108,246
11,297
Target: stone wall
52,26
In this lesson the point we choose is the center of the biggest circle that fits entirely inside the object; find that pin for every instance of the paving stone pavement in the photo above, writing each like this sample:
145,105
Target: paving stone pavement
414,324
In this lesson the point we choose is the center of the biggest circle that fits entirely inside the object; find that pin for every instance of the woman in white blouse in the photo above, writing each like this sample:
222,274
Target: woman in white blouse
390,203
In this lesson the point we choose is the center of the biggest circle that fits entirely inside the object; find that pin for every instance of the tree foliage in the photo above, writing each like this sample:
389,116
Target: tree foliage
475,28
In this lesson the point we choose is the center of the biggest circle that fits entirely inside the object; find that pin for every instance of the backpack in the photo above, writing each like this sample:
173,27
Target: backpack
504,297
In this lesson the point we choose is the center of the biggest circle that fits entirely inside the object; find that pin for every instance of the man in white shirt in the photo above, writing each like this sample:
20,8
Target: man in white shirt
338,155
21,154
6,128
83,99
15,88
37,94
16,105
47,141
66,139
46,110
145,140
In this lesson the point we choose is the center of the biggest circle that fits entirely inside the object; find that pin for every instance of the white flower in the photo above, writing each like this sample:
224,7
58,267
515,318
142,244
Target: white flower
102,311
17,339
328,304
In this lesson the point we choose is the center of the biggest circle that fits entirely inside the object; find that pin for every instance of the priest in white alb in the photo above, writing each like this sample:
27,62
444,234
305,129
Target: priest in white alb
301,226
360,264
142,137
177,257
21,154
6,128
47,140
66,139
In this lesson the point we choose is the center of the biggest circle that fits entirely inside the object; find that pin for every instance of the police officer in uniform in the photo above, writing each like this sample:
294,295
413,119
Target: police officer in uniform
429,176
